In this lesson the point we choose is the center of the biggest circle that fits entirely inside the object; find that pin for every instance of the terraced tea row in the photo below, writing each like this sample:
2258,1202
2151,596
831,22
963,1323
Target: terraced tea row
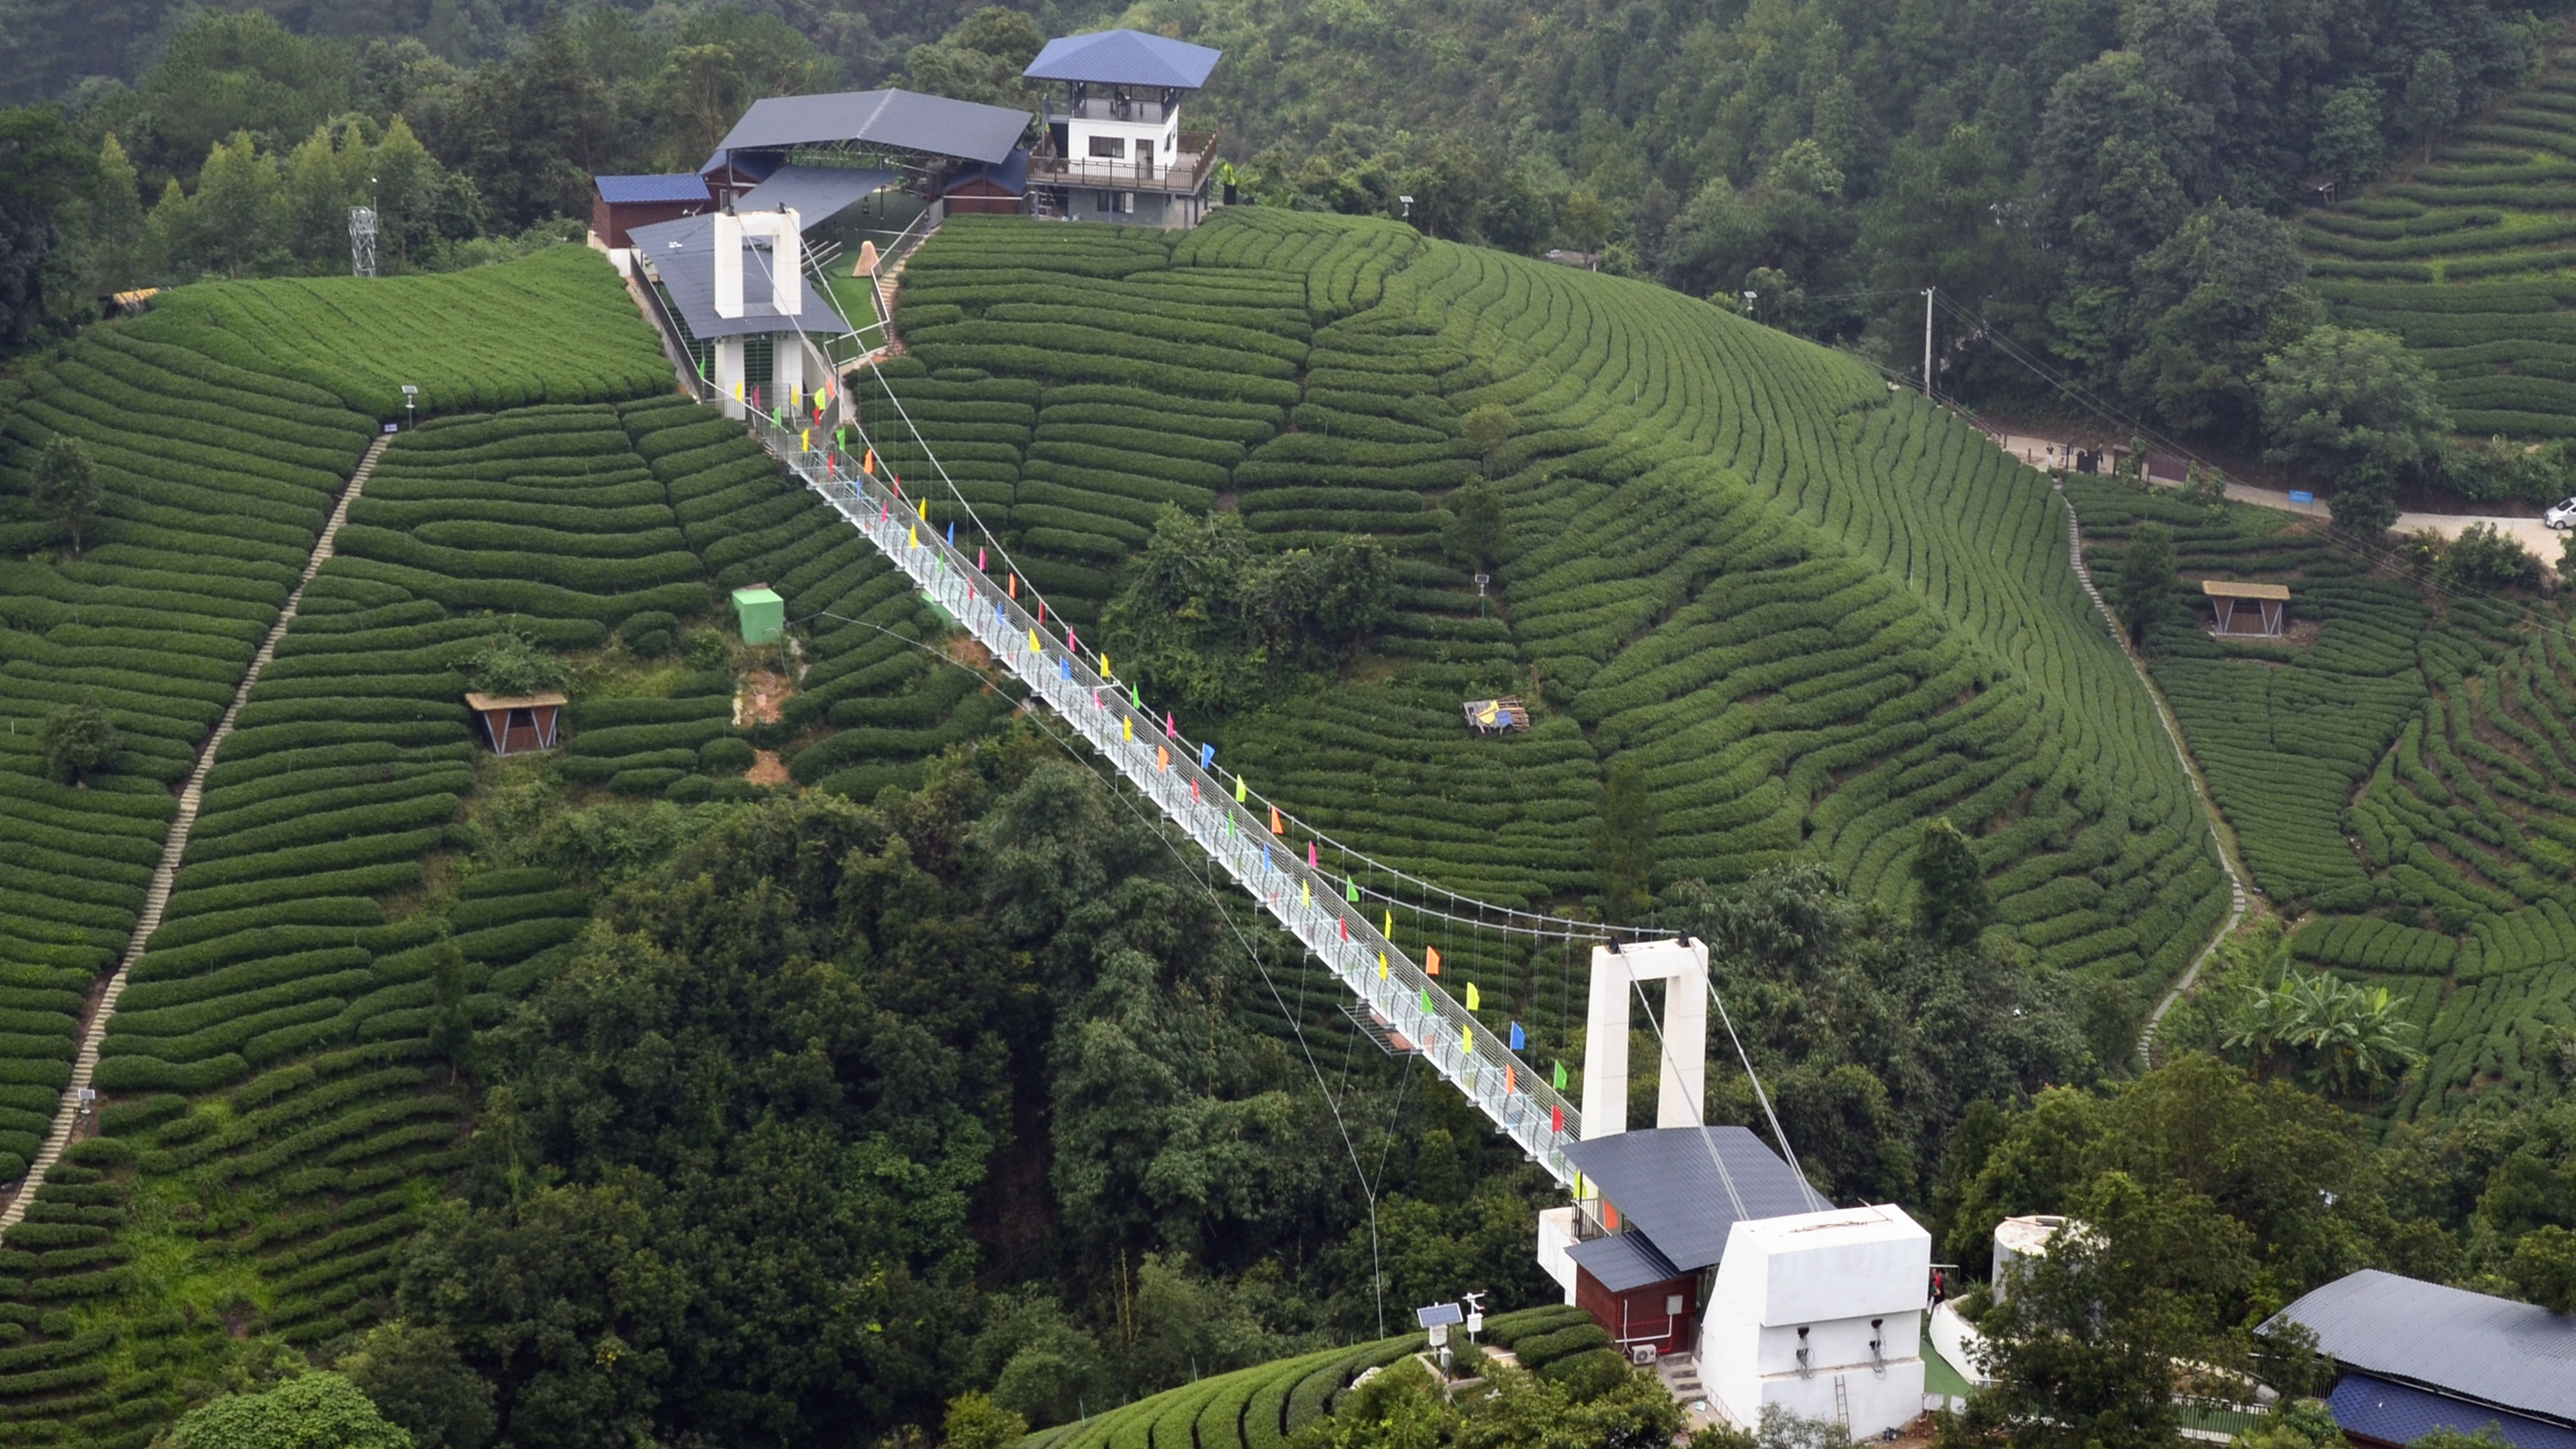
2464,258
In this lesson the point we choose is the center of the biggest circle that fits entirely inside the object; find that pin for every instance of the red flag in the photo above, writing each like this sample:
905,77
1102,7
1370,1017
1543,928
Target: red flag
1346,926
1015,586
1041,611
1556,1120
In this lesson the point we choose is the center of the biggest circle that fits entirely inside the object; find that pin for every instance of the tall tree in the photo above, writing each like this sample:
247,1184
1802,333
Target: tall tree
1624,841
2144,595
2358,408
41,167
65,483
1951,906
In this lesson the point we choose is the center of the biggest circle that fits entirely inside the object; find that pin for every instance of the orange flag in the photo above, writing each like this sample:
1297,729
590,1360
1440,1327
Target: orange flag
1162,758
1277,826
1431,960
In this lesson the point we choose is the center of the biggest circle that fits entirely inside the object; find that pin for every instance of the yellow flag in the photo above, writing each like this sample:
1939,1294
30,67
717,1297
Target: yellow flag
1127,727
1034,645
795,395
1305,894
925,509
1104,666
1381,965
805,440
1475,998
916,537
1388,930
1238,789
1466,1039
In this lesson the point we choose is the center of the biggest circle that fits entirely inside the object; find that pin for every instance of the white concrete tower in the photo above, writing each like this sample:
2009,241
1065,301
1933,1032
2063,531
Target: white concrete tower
1683,968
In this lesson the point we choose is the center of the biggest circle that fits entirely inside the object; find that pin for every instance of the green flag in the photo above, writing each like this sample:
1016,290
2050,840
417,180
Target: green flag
1351,890
1560,1076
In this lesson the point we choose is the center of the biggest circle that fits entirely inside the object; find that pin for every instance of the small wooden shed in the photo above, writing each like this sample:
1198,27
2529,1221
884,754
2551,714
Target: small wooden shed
2270,606
518,724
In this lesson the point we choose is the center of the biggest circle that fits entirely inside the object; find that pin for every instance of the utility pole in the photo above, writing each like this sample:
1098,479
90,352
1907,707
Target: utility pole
1927,342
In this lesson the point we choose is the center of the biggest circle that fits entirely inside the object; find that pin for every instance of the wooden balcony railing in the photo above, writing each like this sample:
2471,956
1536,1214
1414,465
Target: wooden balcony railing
1182,173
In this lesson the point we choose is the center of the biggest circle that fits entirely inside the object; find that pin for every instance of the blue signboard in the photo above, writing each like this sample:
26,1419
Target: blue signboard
2302,496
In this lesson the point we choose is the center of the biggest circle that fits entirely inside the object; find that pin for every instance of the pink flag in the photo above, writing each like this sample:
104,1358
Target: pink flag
979,558
1169,733
1072,643
1310,854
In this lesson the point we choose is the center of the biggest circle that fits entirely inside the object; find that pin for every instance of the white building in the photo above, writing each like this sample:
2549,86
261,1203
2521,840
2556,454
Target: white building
1700,1240
1115,150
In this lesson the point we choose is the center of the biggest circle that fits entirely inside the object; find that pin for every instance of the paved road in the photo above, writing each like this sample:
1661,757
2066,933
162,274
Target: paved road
2534,535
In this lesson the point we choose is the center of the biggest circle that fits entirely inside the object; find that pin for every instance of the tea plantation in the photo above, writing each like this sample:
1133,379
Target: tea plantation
2400,781
1817,613
279,1101
1258,1408
2466,258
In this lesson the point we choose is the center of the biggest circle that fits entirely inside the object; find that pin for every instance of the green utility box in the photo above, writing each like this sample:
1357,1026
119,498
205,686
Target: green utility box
761,613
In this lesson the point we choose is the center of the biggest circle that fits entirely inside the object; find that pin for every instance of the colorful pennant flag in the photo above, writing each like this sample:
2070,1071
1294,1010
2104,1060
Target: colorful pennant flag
1277,825
1034,646
1305,893
1311,861
1127,727
1381,965
1064,668
952,533
1194,792
1207,756
1041,611
1431,960
1519,1039
1560,1076
805,441
1350,890
1388,930
1556,1120
924,507
915,538
868,465
1475,998
1466,1038
1238,789
1169,732
1511,1080
1105,671
1162,759
979,558
1345,923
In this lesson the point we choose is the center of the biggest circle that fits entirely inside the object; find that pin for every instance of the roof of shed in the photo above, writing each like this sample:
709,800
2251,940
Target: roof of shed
630,190
1125,58
1010,174
2401,1414
899,120
683,256
1621,1261
2222,589
2494,1350
815,193
1667,1183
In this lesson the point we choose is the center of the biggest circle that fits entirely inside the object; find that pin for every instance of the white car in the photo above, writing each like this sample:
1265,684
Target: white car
2561,514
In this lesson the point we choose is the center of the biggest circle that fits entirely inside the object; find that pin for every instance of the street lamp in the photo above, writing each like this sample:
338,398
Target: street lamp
1408,207
1748,304
1481,581
411,396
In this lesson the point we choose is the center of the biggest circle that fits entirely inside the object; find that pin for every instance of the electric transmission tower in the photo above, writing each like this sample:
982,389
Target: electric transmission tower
362,241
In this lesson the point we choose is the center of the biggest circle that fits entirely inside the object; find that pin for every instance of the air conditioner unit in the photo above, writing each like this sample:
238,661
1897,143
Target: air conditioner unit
1643,1355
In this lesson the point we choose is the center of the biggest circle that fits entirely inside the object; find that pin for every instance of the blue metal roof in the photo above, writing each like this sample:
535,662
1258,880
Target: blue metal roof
2400,1414
1010,174
624,190
2493,1350
1687,1187
1125,58
683,255
1621,1261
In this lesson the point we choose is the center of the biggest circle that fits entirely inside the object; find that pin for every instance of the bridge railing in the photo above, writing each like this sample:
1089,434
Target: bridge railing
1165,768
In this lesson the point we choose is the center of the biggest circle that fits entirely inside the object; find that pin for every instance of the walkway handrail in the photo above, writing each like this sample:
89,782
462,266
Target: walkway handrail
1153,758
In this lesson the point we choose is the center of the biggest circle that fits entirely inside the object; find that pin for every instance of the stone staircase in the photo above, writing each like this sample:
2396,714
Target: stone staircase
68,1117
1680,1375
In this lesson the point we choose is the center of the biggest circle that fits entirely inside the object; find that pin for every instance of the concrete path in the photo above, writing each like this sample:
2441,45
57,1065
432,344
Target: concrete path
68,1117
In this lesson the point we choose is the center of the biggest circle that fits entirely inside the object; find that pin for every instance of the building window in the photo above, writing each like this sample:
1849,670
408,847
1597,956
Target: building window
1127,202
1111,147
